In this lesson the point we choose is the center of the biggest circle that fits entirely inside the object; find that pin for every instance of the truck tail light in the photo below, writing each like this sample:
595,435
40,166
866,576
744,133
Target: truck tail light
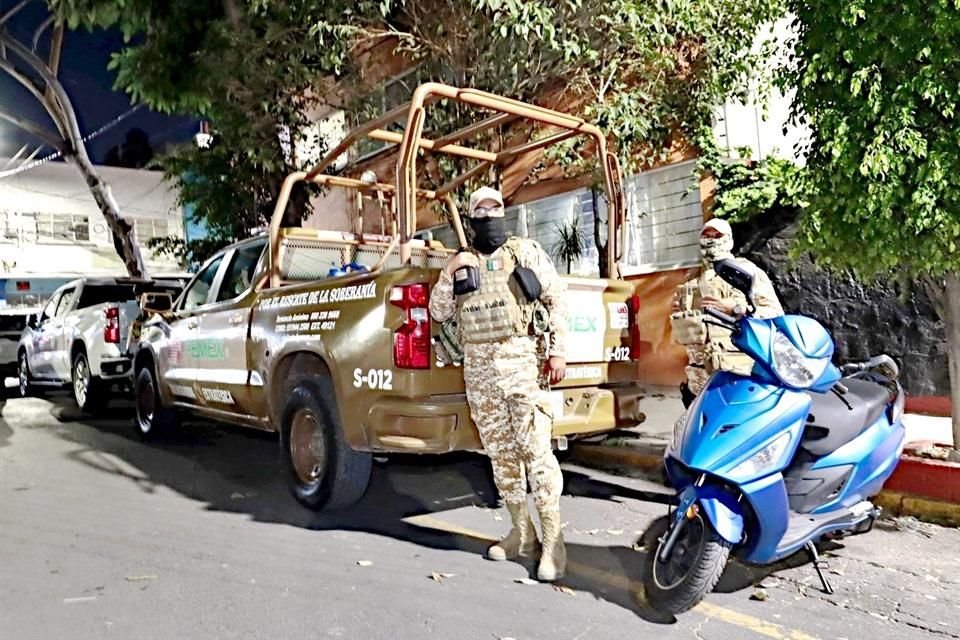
411,341
111,331
634,306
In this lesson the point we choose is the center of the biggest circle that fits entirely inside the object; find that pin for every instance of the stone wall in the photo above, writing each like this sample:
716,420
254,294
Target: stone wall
864,320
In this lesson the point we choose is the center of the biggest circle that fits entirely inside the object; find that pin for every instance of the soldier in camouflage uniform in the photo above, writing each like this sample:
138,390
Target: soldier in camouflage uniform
506,378
709,348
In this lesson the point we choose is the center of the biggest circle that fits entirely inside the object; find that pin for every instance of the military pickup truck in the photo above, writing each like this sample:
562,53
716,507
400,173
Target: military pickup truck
340,359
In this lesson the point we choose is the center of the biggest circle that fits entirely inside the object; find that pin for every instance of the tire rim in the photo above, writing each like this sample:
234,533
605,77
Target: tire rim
146,405
684,558
307,448
23,376
81,381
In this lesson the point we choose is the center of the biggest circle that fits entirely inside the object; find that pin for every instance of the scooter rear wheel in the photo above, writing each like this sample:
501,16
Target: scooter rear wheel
692,570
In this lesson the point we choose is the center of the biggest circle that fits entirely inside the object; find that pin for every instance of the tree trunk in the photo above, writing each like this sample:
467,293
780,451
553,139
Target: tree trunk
124,236
599,238
951,317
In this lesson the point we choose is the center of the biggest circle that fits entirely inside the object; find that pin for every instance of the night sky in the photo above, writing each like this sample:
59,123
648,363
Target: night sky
83,71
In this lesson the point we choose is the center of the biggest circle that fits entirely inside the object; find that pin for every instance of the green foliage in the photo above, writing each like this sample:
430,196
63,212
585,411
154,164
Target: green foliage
569,245
647,71
878,82
189,253
642,70
746,190
249,75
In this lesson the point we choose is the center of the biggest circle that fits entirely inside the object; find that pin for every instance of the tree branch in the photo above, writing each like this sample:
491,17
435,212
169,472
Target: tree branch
60,107
39,32
32,128
14,11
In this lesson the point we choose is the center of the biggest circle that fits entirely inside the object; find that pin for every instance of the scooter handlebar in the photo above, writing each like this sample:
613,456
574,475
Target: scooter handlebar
715,313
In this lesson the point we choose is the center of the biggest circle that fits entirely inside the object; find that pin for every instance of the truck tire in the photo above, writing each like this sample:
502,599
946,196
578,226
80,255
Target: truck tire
25,379
89,392
153,419
323,471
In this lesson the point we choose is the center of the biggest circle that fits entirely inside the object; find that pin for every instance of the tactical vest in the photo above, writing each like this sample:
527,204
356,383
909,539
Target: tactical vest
497,310
689,328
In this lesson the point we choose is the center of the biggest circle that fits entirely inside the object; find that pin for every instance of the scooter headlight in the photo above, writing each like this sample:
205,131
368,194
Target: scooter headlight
765,460
794,368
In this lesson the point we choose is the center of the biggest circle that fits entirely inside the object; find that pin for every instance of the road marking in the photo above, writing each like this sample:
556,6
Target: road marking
83,599
617,581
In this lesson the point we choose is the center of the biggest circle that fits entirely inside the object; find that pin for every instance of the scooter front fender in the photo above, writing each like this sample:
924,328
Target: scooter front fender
719,507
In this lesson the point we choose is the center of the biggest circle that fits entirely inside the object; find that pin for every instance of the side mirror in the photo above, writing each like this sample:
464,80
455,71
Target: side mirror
33,320
159,303
736,276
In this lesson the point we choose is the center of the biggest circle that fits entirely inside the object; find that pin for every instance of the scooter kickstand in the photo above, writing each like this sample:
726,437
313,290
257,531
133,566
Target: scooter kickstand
818,565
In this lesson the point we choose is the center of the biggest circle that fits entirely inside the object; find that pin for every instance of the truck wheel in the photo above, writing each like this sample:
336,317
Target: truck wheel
153,418
324,472
692,571
88,390
24,379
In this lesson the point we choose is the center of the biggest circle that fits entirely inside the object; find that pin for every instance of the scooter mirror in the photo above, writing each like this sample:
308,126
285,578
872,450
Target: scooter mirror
735,275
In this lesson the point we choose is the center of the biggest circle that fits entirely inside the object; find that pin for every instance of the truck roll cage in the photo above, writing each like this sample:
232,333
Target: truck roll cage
405,193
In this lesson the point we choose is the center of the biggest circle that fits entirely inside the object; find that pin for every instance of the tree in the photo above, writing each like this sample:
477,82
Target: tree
878,83
246,67
39,77
134,153
650,73
644,70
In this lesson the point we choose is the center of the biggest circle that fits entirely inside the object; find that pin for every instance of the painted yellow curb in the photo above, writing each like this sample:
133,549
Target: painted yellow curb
903,504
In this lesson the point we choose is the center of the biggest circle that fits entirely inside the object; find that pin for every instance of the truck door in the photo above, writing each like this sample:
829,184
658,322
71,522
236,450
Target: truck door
224,379
177,359
65,330
40,344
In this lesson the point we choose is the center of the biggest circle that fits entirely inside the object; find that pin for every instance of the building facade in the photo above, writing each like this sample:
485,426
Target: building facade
50,223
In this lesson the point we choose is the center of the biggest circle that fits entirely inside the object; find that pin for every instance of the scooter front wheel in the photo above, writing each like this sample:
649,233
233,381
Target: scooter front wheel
692,569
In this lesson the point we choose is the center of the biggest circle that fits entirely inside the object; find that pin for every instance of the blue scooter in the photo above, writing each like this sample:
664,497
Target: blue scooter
770,464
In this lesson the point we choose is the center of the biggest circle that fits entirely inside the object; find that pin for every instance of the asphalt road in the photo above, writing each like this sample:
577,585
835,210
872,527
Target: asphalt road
104,536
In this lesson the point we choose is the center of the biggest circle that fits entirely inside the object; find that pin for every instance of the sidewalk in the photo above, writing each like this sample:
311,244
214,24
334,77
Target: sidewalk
638,451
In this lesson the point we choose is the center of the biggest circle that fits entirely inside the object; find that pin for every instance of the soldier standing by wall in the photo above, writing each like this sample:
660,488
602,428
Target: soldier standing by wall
709,347
501,370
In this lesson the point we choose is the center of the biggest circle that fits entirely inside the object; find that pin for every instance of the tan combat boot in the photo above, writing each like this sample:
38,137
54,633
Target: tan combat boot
522,541
553,559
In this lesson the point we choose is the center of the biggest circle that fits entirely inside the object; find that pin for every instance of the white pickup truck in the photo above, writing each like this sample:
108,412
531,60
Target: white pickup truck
81,338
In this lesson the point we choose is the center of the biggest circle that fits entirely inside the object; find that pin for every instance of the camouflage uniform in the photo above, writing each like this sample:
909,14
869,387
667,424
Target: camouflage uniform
506,389
713,349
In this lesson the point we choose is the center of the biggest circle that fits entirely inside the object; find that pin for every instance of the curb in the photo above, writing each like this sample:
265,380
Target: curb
936,511
647,461
937,406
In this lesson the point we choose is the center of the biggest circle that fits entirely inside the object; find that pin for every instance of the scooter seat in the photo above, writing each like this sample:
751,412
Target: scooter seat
832,424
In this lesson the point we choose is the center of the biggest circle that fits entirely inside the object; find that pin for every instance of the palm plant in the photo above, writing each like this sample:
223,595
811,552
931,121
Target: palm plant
569,244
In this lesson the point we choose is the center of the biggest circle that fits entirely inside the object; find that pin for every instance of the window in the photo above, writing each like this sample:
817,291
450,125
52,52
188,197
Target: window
243,267
62,227
94,294
389,95
150,228
664,219
66,303
198,292
51,307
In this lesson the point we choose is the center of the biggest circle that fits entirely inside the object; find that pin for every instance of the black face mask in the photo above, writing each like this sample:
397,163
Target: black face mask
488,234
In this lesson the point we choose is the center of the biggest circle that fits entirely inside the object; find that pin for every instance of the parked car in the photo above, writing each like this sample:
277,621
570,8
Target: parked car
21,296
81,337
